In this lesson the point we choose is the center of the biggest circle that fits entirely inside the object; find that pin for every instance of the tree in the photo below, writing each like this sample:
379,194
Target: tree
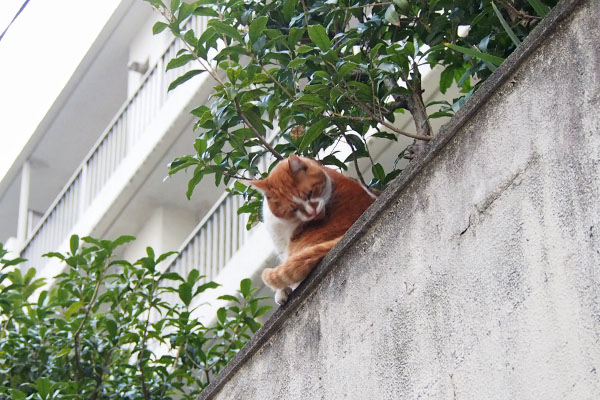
325,72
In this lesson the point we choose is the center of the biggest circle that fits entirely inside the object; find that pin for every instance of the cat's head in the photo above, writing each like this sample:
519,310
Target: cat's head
297,189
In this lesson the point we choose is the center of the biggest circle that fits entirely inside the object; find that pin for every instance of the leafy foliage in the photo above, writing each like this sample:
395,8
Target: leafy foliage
321,73
104,329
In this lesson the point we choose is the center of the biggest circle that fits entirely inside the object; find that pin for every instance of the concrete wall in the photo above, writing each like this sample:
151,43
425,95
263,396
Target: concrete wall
476,275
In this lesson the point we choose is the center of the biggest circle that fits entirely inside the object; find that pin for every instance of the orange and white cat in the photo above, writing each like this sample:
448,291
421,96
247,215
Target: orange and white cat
307,210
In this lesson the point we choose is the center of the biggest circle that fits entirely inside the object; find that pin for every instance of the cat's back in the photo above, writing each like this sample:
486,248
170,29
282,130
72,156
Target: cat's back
349,199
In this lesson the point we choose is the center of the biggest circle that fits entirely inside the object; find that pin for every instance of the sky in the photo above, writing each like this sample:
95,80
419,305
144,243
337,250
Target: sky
38,54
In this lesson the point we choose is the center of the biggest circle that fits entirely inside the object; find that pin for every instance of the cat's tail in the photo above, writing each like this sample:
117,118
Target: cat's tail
297,266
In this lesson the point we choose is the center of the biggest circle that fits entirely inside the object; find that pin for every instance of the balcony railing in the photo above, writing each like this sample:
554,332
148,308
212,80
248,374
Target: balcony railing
215,240
106,156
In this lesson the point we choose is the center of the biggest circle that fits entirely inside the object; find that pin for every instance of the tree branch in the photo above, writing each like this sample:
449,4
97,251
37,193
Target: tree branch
255,132
360,177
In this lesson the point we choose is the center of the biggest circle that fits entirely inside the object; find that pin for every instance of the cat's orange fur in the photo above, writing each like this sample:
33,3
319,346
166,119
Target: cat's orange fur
308,208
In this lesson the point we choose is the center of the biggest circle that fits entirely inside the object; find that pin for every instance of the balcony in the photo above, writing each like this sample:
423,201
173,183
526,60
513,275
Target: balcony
127,131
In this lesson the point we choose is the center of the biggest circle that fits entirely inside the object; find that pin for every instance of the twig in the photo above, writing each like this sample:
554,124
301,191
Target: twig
255,132
305,12
273,79
360,177
143,343
385,123
80,328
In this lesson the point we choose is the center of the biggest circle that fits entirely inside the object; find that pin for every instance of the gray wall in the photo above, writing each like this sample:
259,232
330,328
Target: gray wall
477,274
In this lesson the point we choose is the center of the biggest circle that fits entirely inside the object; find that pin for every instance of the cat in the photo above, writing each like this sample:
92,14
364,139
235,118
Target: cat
307,209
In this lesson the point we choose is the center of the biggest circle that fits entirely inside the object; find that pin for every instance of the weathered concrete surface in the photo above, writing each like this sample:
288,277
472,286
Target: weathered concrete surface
477,275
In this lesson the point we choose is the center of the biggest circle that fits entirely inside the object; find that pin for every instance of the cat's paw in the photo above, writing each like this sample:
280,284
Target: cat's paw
271,279
281,295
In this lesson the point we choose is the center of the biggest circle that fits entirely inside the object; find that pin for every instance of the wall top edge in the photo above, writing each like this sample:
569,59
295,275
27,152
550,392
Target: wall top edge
536,38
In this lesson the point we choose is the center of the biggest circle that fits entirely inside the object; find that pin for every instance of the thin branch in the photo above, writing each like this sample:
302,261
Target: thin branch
255,132
385,123
305,12
143,343
80,328
273,79
354,158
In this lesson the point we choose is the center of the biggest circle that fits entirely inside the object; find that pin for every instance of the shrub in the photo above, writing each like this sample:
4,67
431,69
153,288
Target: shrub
104,329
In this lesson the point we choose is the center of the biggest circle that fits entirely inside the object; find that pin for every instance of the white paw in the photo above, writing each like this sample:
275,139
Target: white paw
281,295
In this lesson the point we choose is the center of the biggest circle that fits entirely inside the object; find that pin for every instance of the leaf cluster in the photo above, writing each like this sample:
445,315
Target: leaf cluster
111,329
312,77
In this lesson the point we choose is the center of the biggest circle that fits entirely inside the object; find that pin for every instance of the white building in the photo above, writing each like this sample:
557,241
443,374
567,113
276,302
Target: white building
96,164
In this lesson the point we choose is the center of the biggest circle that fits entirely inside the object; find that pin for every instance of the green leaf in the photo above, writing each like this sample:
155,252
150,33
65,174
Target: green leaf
289,8
164,256
313,132
185,293
257,28
16,394
318,35
124,239
477,54
159,27
294,36
246,287
540,8
73,308
446,78
172,276
156,3
196,178
311,100
74,244
228,297
185,11
222,315
179,61
296,62
402,4
184,78
111,327
29,275
378,172
391,15
207,285
505,25
226,30
346,69
193,276
254,326
261,311
205,12
302,49
16,261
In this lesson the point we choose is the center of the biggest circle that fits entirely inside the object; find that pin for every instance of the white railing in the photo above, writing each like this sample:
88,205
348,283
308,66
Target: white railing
215,240
116,143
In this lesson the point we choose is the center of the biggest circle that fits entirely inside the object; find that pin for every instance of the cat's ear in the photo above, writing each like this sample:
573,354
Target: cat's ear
296,164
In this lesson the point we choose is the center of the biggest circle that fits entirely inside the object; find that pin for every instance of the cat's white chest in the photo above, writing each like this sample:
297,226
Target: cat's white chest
280,230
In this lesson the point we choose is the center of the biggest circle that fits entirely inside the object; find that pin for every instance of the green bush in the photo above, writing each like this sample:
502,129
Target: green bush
104,330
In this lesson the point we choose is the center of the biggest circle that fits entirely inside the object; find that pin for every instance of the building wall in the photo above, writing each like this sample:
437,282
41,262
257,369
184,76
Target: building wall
476,275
